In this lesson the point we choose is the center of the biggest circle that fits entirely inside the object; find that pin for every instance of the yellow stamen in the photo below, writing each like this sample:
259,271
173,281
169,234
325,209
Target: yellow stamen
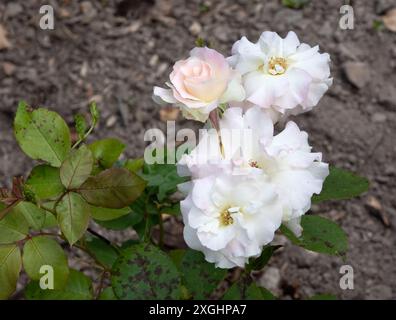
277,66
225,218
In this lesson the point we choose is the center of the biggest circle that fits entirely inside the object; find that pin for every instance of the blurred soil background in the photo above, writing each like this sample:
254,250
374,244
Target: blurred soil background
115,51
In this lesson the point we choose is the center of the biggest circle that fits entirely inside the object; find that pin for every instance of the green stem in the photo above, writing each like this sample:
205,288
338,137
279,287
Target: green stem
101,284
85,136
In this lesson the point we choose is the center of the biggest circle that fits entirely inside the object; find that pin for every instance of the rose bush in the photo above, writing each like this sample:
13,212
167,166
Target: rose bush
242,183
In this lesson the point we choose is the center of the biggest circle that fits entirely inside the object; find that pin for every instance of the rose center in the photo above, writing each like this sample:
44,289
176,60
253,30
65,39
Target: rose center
254,164
277,66
225,216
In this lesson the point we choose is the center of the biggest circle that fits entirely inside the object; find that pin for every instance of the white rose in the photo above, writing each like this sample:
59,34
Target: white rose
230,218
281,75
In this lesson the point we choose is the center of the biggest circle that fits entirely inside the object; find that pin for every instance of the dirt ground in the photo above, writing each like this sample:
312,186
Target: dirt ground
115,51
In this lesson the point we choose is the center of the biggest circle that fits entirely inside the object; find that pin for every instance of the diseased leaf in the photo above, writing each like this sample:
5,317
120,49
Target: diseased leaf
177,256
10,267
13,227
44,181
40,251
341,184
73,216
243,291
113,188
42,134
78,287
106,214
145,272
320,235
107,151
200,277
77,167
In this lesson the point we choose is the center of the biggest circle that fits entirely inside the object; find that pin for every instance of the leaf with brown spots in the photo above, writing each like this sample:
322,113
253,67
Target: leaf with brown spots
320,235
247,290
114,188
144,272
200,277
42,134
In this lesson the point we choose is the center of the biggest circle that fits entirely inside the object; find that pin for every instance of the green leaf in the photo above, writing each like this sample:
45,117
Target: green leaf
44,181
124,222
107,151
95,114
40,251
295,4
260,262
50,221
136,214
134,165
177,256
320,235
34,216
77,167
323,297
106,214
81,125
145,272
13,227
107,294
162,177
172,209
113,188
42,134
199,276
78,287
102,251
143,228
10,267
73,216
341,184
242,291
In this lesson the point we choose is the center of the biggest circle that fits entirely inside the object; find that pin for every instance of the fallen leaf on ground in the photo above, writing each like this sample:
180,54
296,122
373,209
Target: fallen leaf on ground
169,113
390,20
4,42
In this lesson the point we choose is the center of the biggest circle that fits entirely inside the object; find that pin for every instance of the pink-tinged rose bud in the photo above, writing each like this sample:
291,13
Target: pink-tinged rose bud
200,83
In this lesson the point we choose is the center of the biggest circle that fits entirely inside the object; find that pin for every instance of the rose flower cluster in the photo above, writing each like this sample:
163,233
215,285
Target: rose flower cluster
246,180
